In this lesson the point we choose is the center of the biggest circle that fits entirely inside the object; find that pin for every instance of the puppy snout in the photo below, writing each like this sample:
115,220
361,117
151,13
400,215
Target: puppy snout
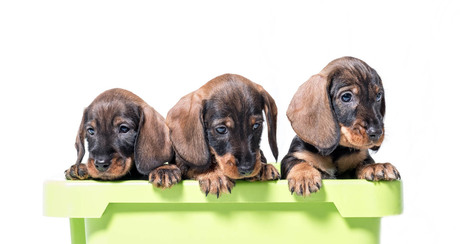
374,133
102,165
245,169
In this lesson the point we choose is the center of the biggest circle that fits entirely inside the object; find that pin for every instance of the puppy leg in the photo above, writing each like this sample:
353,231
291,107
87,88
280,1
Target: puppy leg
377,172
77,172
165,176
304,179
215,182
304,168
268,172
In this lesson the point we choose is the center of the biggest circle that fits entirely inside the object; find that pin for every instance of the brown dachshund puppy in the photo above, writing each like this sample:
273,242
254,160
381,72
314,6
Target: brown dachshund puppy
126,140
216,132
337,116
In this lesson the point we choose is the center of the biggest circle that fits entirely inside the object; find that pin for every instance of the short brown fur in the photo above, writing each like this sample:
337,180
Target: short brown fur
225,101
337,116
143,145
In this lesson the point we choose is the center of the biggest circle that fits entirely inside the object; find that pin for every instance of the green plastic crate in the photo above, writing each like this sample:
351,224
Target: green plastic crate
343,211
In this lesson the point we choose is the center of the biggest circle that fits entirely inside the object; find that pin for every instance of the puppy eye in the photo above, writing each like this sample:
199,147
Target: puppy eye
256,126
221,130
379,96
90,131
346,97
124,129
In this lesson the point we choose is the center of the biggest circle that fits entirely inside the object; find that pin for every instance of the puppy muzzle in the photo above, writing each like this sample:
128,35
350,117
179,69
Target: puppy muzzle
245,170
374,134
102,165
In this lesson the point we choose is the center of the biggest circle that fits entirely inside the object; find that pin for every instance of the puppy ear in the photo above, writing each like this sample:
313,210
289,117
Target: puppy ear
382,106
271,113
311,116
153,145
80,140
185,121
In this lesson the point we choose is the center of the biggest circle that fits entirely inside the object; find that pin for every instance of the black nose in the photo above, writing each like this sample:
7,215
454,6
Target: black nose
102,165
245,170
374,133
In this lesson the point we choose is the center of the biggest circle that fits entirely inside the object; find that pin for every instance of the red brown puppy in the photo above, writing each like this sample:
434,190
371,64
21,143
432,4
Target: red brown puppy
126,140
216,132
337,116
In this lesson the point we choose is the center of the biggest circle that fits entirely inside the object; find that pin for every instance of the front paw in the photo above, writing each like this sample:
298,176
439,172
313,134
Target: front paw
378,172
303,179
165,176
269,172
77,172
215,183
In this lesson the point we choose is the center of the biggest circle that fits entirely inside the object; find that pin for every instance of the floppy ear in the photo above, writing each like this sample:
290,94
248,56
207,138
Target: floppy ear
80,140
153,145
271,113
382,112
185,122
382,106
311,116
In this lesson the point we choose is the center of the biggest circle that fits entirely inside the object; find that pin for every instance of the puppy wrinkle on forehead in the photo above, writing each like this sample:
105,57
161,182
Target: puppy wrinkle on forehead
354,88
375,89
256,118
228,121
119,120
92,123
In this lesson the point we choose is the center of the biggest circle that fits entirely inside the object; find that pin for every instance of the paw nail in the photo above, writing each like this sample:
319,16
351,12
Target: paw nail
220,182
176,177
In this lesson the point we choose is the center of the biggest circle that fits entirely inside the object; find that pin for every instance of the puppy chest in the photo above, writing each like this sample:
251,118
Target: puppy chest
350,161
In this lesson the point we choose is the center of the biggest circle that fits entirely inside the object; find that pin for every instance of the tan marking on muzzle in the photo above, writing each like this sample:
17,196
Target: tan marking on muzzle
356,137
118,168
227,163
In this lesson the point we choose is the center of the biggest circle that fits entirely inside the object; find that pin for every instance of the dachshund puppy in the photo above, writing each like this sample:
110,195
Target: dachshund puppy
337,116
126,140
216,132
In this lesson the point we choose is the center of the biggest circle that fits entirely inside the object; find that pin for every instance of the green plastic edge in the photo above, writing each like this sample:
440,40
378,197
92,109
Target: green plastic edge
89,199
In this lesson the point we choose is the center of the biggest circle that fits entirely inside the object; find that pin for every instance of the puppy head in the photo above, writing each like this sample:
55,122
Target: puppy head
122,130
224,120
343,104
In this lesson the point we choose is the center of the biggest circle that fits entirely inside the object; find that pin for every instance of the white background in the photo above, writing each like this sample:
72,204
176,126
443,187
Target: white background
56,56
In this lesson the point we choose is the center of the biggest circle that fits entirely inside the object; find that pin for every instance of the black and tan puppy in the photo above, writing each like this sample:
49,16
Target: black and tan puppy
127,139
216,132
337,116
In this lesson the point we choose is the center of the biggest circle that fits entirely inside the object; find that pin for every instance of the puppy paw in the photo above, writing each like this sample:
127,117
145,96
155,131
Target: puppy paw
303,179
215,183
165,176
269,172
378,172
77,172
